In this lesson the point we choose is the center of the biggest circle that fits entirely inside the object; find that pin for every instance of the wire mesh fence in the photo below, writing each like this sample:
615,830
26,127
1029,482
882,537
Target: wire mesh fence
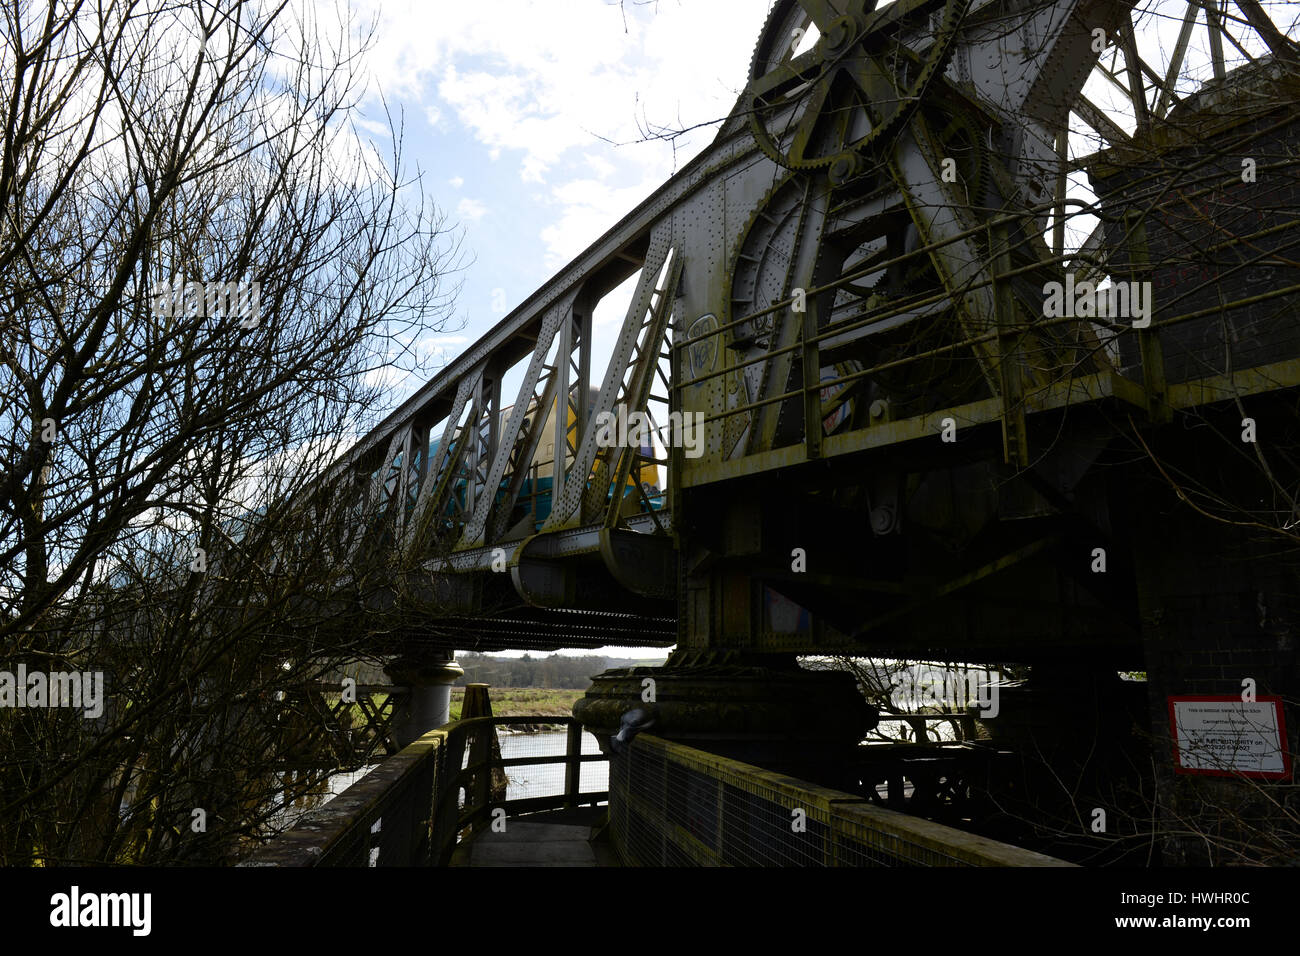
533,779
672,805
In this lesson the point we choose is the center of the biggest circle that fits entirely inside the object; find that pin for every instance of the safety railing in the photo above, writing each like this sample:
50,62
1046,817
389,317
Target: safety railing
413,808
672,805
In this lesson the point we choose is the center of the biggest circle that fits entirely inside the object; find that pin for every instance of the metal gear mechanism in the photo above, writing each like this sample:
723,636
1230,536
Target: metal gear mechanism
829,106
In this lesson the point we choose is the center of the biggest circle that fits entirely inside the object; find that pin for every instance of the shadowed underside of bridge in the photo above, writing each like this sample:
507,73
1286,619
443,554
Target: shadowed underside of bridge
866,432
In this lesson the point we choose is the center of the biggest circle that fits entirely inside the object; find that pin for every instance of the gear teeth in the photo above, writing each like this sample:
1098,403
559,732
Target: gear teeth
774,30
979,174
760,208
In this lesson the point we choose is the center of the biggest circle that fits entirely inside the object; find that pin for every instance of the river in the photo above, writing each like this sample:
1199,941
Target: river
526,781
548,779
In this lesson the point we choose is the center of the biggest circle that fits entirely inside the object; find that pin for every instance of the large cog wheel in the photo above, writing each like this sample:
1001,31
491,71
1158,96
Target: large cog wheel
759,276
829,107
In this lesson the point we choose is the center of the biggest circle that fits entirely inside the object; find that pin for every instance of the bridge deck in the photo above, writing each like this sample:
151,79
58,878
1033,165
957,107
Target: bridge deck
558,838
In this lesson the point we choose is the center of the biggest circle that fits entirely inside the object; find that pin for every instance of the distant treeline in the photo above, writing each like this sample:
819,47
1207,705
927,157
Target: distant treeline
554,670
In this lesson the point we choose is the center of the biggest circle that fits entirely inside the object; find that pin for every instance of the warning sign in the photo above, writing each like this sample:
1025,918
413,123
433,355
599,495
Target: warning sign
1228,736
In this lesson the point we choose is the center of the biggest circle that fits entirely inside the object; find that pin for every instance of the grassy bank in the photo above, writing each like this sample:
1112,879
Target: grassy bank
506,702
523,701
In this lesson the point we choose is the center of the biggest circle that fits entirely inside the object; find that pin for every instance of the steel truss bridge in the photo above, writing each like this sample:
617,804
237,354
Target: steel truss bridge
905,451
824,296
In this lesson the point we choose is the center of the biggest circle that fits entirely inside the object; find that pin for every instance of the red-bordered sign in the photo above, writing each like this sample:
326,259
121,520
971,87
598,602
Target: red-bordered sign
1225,736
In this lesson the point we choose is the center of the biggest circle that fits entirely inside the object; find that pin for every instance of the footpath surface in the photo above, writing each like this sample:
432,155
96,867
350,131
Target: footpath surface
560,838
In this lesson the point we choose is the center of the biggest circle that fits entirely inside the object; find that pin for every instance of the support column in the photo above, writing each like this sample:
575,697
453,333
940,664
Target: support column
426,704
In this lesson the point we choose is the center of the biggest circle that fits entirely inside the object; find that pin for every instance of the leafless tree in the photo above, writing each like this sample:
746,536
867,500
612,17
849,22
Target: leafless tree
207,279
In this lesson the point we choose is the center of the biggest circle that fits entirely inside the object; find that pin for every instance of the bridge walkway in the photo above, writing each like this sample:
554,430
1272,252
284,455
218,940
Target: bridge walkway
557,838
667,804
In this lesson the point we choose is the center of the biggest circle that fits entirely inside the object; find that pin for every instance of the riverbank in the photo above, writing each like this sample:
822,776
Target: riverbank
524,702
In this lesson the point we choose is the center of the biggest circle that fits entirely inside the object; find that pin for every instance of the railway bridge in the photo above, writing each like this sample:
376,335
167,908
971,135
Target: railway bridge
931,355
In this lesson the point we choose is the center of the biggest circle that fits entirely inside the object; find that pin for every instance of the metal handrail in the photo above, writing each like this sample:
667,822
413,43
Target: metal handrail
408,810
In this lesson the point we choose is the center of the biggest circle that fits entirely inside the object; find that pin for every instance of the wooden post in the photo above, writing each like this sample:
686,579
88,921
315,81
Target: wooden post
490,784
476,703
573,768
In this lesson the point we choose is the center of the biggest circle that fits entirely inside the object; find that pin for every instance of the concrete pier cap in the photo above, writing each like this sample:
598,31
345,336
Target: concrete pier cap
426,703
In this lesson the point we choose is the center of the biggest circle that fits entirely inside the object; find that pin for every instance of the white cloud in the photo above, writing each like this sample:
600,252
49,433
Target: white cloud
599,165
471,210
371,126
456,182
542,85
585,209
